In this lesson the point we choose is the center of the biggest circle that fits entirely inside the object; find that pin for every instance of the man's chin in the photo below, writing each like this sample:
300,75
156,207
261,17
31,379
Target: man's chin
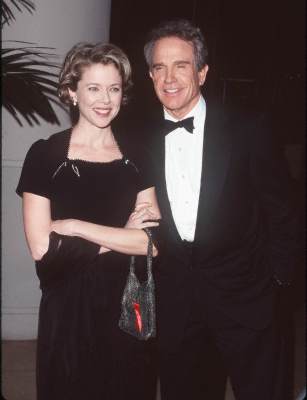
171,106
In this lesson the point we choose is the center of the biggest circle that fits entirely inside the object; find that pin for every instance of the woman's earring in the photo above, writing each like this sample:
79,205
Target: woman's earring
74,101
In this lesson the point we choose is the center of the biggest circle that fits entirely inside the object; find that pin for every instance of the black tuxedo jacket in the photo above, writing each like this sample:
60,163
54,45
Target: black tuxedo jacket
245,231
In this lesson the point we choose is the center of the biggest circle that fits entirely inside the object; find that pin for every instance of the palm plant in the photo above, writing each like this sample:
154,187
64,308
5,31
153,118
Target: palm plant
28,75
7,14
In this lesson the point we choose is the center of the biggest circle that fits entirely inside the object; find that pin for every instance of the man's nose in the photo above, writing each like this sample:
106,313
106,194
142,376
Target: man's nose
169,76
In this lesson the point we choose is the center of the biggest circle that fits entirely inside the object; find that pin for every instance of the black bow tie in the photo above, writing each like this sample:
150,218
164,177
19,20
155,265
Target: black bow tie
186,123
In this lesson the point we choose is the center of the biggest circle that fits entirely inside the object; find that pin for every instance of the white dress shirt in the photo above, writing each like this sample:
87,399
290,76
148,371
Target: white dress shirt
183,165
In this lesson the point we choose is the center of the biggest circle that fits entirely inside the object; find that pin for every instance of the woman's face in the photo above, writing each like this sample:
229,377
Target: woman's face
99,94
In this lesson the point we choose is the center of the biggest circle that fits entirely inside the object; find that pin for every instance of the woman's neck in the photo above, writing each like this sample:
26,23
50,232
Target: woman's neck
92,137
93,144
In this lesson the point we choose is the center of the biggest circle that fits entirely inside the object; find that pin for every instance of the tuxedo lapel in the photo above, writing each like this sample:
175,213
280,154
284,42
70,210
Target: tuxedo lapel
216,157
161,188
215,161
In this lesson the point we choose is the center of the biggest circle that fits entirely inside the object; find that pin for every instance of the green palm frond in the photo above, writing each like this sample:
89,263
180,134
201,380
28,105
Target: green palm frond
7,14
29,85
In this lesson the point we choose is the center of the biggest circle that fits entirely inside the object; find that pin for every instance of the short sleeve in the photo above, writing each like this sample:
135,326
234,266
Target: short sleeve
146,171
35,177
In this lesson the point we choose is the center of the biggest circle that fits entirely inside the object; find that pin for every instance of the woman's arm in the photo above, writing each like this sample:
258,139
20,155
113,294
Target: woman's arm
130,239
37,223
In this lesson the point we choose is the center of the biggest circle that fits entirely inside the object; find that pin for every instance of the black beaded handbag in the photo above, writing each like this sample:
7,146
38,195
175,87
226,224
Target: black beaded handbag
138,315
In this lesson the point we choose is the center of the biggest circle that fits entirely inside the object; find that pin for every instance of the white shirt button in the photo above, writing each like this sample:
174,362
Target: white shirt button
183,164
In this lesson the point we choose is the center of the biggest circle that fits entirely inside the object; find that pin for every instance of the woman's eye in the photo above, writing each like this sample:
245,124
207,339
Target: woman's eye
93,89
115,89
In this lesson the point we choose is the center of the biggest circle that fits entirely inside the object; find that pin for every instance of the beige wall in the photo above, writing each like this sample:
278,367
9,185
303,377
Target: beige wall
58,24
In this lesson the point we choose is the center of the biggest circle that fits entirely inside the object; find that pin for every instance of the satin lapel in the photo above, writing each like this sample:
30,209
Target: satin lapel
216,157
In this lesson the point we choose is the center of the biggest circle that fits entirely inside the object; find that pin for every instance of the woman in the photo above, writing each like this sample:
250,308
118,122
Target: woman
84,205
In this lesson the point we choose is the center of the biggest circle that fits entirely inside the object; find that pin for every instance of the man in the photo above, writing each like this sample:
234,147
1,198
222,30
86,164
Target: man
227,235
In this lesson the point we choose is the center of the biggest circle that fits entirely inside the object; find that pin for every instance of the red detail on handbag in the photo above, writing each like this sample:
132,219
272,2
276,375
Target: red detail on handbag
138,319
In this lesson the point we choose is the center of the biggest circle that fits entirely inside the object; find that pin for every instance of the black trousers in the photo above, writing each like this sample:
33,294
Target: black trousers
194,372
252,359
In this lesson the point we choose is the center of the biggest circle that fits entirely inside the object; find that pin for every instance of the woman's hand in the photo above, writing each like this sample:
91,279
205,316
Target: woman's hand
64,226
142,217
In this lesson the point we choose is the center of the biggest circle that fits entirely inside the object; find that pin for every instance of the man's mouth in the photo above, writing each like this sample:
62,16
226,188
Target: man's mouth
171,90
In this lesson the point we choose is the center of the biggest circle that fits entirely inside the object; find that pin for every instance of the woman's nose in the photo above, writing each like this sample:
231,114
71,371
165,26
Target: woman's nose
104,97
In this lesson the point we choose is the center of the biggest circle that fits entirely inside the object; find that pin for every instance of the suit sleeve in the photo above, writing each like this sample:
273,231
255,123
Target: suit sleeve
274,187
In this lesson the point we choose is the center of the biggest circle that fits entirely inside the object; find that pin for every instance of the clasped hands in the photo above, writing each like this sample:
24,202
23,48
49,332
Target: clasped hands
141,217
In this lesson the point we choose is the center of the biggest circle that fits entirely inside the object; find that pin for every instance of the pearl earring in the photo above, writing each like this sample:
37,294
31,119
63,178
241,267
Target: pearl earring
74,101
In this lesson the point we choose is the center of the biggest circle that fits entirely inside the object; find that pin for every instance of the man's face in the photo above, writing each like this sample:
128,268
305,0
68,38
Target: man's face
175,77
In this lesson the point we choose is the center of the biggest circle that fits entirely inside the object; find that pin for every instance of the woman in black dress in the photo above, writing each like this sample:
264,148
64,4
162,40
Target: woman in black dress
85,201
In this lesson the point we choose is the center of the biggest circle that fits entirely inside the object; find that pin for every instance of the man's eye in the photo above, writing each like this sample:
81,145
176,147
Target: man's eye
157,68
181,66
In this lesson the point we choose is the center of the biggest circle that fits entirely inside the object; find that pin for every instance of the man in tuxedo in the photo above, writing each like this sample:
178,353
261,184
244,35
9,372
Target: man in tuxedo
227,231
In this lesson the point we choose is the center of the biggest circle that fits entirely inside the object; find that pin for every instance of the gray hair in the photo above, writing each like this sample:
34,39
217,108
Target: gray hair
182,29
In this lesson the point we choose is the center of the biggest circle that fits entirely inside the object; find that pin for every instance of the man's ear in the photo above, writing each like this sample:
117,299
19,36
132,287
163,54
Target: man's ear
150,74
202,75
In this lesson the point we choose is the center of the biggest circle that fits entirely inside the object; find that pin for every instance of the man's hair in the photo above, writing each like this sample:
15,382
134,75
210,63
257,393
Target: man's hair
182,29
83,55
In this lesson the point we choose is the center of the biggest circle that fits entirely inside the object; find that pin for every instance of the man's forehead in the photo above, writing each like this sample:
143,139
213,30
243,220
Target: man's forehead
173,47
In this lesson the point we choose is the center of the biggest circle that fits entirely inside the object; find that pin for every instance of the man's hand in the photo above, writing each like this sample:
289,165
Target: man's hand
142,217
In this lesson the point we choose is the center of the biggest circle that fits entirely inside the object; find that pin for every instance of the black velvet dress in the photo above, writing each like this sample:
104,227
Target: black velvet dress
81,353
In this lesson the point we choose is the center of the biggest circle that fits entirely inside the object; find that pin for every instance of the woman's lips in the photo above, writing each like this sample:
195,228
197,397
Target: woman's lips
102,111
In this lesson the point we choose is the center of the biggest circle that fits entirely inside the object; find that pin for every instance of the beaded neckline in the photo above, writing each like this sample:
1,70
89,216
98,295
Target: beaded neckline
74,162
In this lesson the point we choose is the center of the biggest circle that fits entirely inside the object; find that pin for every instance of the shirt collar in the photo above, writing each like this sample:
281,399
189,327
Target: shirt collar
198,112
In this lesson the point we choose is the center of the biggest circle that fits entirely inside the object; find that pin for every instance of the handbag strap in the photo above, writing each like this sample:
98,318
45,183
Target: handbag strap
149,255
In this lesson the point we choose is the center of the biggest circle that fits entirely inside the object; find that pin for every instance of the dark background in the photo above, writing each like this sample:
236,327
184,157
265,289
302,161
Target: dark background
256,60
256,53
